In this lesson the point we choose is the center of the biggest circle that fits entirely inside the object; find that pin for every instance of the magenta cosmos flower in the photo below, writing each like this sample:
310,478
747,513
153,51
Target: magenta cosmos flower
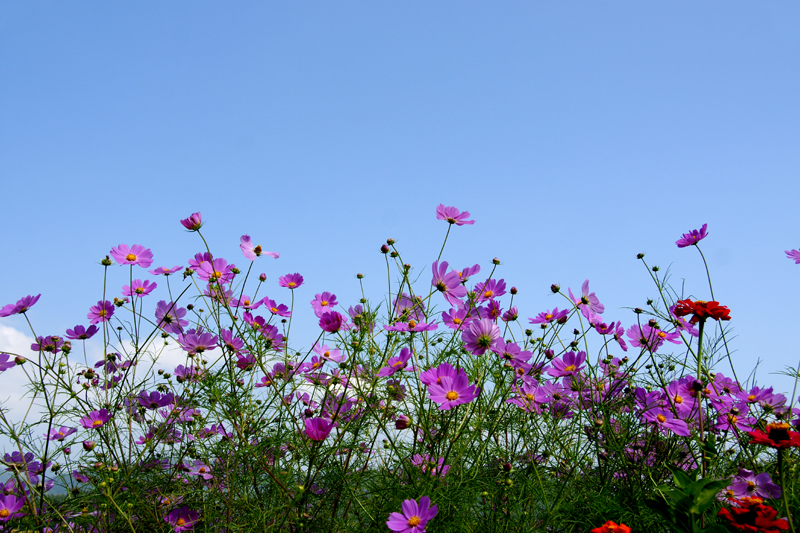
331,321
323,302
794,255
252,252
396,363
480,335
22,305
414,517
318,429
101,312
453,216
291,281
9,505
81,332
164,271
693,237
60,434
448,283
133,255
95,419
588,302
193,223
451,392
6,362
184,518
139,288
570,365
169,317
549,316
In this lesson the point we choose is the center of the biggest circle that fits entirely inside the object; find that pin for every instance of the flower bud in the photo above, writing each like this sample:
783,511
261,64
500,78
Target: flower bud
507,467
652,323
495,261
402,422
655,269
384,249
67,450
549,354
528,332
393,254
106,261
360,275
638,311
639,256
390,241
88,445
20,360
555,288
513,290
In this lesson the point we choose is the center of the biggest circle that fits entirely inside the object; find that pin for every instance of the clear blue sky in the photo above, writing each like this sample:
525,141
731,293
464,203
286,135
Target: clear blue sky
576,133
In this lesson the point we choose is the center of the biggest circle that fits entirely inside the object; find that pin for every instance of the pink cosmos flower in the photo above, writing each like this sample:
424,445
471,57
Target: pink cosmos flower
275,309
246,302
492,288
569,365
169,317
480,335
6,362
549,316
467,272
323,302
434,375
291,281
139,288
132,255
101,312
9,505
396,363
81,333
326,352
318,429
666,421
199,259
95,419
193,223
48,343
216,271
448,283
252,252
747,484
453,216
60,434
22,305
200,469
428,465
197,341
693,237
332,321
183,519
794,255
412,326
414,517
588,301
164,271
452,392
455,318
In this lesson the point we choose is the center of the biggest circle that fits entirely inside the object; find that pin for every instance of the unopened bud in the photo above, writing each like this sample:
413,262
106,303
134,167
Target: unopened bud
20,360
402,422
495,261
549,354
507,467
262,277
638,311
390,241
655,269
88,445
106,261
555,288
513,290
384,249
528,332
639,256
360,275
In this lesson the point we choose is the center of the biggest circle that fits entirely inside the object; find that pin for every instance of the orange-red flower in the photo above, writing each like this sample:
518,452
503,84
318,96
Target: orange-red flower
612,527
753,515
701,310
776,436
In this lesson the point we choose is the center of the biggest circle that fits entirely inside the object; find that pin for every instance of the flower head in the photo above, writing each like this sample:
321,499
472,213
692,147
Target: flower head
101,312
193,223
95,419
451,392
60,434
139,288
291,281
612,527
752,515
81,333
414,517
252,252
318,429
701,310
331,321
323,302
794,255
164,271
448,283
747,484
693,237
777,436
184,518
169,317
132,255
480,335
22,305
9,505
453,216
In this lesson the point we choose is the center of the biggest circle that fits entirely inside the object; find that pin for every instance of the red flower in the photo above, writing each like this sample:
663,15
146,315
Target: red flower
701,310
777,436
753,515
612,527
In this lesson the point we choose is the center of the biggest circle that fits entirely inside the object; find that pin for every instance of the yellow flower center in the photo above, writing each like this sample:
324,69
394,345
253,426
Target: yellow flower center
102,312
326,354
274,310
291,284
97,423
732,419
139,290
323,303
529,397
130,257
414,521
661,334
452,395
751,398
548,316
246,302
488,294
4,513
217,274
315,365
751,486
570,368
180,522
257,250
678,399
456,320
411,324
661,418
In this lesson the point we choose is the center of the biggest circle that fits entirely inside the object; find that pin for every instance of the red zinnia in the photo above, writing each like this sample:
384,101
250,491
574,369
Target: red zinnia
777,436
753,515
701,310
612,527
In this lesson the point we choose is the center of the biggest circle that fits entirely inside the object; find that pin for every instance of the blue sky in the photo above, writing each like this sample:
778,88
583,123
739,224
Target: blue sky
576,133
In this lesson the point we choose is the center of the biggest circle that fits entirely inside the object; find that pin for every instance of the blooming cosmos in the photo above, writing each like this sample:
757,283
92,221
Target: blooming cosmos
414,517
81,333
291,281
777,436
9,505
169,317
193,223
693,237
453,391
794,255
22,305
101,312
480,335
252,252
132,255
139,288
701,310
318,429
747,484
448,283
95,419
331,321
60,434
184,518
396,363
452,215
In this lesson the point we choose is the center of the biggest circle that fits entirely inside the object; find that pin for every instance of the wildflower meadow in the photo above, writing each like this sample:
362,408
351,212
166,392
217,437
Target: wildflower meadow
434,406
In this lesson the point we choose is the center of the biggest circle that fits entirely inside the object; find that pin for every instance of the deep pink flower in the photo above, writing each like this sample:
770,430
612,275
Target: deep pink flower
216,271
588,301
448,283
452,392
9,505
492,288
396,363
693,237
331,321
200,469
667,421
549,316
434,375
139,288
794,255
252,252
164,271
291,281
95,419
193,223
81,333
48,343
480,335
414,517
22,305
132,255
412,326
455,318
6,362
465,274
154,400
569,365
102,312
197,341
60,434
183,519
246,302
453,216
199,259
323,302
326,352
275,309
318,429
169,317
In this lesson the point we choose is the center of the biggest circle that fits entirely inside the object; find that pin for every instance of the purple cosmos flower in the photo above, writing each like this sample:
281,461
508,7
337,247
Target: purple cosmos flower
6,362
492,288
198,260
245,361
331,321
80,477
650,338
747,484
549,316
273,340
49,343
216,271
183,519
164,271
22,305
102,312
132,255
453,216
448,283
396,363
291,281
246,302
9,505
692,238
323,302
467,272
411,326
667,421
480,335
169,317
193,223
455,318
95,419
252,252
452,392
328,353
414,517
139,288
154,400
234,344
197,341
280,310
511,315
81,333
200,469
60,434
318,429
406,307
794,255
428,465
570,365
588,301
